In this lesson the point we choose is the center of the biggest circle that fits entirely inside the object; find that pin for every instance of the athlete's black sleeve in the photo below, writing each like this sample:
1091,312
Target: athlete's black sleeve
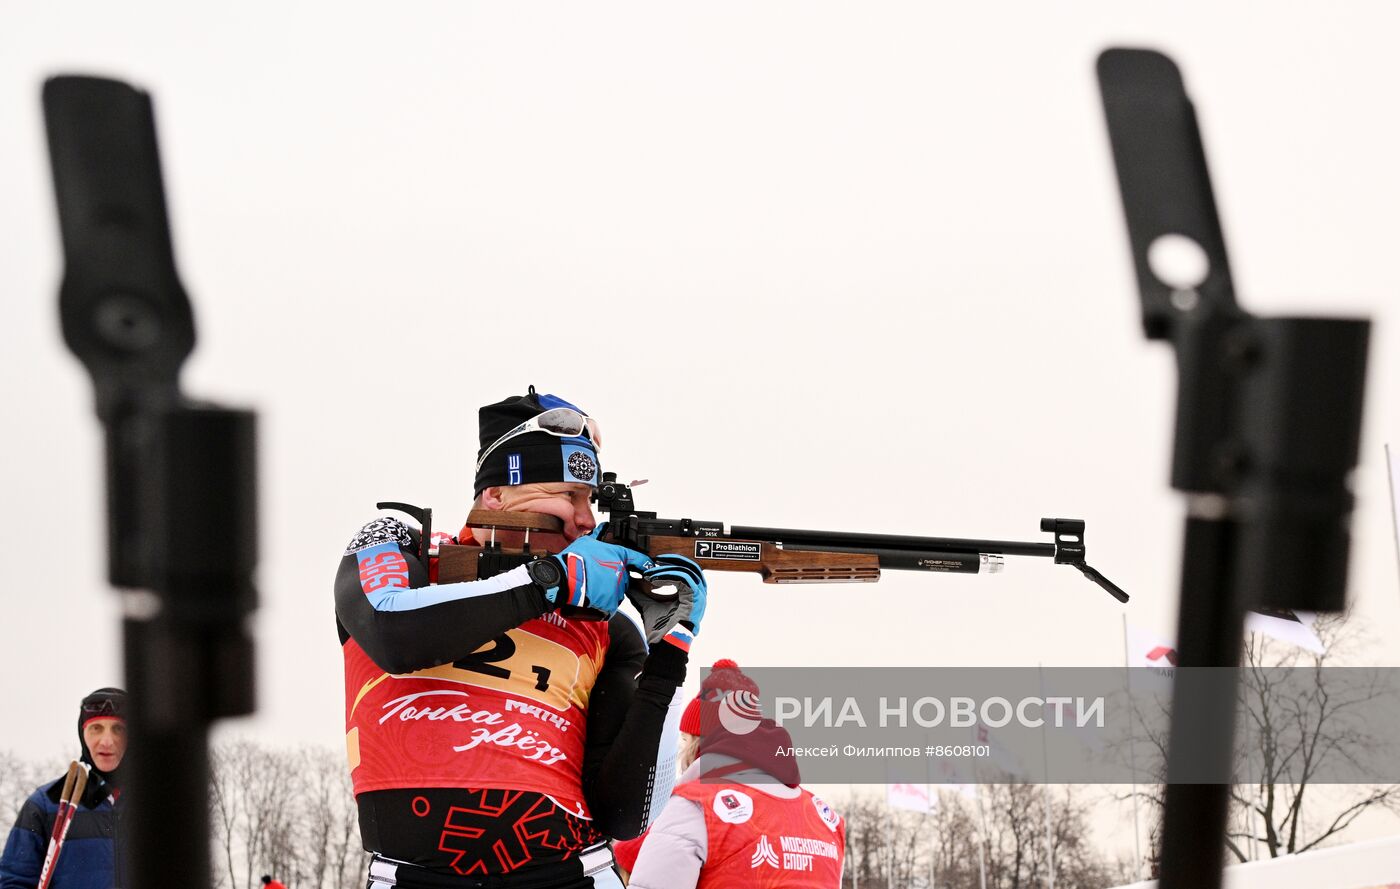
629,757
404,624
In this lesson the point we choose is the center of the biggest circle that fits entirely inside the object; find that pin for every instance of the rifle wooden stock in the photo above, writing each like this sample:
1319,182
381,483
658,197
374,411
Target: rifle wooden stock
457,563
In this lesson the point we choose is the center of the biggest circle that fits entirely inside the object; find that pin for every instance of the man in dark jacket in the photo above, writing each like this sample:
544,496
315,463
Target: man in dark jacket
91,856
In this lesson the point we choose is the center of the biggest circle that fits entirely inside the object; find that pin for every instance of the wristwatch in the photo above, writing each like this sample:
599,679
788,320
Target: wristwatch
547,575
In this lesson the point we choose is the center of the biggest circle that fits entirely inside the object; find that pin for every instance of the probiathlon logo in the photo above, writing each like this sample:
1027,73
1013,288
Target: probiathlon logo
740,712
514,467
733,550
582,467
764,853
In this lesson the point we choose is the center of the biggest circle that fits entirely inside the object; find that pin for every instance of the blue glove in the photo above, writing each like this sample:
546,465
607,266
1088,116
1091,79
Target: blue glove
672,602
595,574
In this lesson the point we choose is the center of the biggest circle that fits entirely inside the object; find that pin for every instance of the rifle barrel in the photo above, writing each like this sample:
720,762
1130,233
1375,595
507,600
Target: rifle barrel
792,538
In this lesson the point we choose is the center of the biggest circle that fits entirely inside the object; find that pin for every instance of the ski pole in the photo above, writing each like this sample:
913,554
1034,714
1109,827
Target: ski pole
73,786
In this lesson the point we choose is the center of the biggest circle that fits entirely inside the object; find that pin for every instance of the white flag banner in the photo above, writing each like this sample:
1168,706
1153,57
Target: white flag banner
1005,761
942,770
913,797
1293,627
1147,649
966,791
1082,726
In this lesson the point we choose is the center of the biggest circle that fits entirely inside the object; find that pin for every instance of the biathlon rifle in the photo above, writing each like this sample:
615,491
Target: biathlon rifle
779,555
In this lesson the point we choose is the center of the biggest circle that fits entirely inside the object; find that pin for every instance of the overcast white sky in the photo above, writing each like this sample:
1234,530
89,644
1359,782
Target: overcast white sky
833,265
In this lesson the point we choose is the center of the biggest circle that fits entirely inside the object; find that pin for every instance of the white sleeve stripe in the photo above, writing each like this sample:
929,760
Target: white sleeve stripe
399,599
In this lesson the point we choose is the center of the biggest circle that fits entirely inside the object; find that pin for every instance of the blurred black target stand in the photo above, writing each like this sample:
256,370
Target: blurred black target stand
1268,424
181,475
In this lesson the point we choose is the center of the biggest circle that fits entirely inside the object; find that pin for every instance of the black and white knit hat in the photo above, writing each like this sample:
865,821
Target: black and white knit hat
534,456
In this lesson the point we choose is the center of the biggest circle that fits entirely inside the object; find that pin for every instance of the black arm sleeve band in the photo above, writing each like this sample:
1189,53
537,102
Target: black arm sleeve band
625,717
33,818
404,624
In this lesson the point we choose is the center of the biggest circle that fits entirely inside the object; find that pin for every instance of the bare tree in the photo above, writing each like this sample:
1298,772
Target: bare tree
1291,732
1077,861
331,828
286,812
1021,848
1294,735
955,842
1015,838
251,788
19,777
225,811
904,850
885,848
865,828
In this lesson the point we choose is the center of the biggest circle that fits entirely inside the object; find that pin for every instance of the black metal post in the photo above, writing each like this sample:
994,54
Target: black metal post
1267,433
182,520
1195,817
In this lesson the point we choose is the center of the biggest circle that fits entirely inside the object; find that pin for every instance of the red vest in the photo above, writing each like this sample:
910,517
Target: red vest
766,842
510,715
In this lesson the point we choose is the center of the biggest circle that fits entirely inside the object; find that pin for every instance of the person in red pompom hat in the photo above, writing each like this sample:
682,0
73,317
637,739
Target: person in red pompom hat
738,814
724,677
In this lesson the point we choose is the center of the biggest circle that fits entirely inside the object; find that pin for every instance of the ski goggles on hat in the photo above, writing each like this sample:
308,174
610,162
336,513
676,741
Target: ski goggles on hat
102,707
562,422
106,709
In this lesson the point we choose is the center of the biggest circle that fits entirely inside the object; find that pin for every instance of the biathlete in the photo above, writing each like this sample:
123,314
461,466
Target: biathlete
500,730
